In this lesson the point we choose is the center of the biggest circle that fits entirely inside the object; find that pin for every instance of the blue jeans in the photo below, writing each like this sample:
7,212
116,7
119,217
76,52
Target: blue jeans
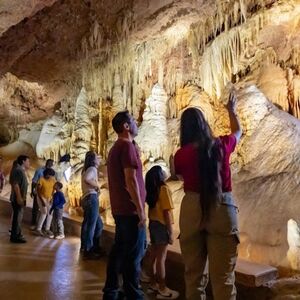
92,225
125,258
58,223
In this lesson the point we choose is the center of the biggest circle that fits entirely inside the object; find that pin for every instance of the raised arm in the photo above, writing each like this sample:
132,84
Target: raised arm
134,192
235,125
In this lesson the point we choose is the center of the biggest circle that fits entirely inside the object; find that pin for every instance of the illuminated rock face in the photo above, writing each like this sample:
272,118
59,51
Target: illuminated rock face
71,65
266,180
153,132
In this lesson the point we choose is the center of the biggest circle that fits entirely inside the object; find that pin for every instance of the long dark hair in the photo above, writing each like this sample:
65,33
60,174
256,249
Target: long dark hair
89,160
153,181
195,129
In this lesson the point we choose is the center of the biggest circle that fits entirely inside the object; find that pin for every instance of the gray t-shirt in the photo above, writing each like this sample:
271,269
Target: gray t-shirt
90,174
18,176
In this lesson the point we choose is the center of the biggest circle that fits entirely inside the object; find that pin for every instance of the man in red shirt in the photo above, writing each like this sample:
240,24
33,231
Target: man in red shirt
127,198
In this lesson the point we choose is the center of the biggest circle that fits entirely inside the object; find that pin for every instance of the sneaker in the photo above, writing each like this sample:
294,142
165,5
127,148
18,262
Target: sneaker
60,237
32,227
19,240
152,288
49,234
39,232
167,294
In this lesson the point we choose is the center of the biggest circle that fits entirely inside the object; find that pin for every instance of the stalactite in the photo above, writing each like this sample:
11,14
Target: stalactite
224,57
296,96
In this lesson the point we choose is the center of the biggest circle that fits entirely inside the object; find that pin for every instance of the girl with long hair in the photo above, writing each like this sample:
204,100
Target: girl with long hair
92,225
208,215
161,232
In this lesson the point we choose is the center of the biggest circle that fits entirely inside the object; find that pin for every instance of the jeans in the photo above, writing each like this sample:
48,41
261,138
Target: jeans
92,225
16,232
125,258
58,221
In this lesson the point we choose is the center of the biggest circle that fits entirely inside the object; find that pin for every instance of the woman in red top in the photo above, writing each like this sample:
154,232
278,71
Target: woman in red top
208,215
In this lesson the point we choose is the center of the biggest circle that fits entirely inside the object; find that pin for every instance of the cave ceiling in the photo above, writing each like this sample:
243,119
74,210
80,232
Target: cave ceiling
57,43
41,41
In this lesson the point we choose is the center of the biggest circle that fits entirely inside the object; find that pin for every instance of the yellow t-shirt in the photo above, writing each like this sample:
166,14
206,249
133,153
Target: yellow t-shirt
164,202
45,187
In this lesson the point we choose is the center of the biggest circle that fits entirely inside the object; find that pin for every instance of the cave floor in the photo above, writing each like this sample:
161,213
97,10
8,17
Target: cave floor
47,269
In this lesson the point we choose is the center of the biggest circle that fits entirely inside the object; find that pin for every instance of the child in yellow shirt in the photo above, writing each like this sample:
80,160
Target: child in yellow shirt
45,191
161,230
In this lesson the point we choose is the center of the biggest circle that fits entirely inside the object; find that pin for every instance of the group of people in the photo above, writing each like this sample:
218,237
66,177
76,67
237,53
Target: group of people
209,233
48,200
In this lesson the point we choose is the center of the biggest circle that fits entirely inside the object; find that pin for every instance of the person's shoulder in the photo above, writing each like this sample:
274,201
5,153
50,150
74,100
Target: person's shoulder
60,194
225,139
41,180
164,190
18,171
91,169
185,149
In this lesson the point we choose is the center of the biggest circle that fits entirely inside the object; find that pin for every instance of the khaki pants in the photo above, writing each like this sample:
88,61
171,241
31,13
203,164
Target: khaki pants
215,242
44,214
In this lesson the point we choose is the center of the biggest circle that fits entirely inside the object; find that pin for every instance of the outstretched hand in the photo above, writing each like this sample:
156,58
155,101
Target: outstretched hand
231,104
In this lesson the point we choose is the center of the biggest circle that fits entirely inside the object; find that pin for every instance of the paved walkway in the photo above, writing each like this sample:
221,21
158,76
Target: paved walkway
47,269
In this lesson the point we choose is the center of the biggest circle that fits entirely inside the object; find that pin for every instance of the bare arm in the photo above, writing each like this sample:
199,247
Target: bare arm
174,176
235,125
17,191
134,192
168,220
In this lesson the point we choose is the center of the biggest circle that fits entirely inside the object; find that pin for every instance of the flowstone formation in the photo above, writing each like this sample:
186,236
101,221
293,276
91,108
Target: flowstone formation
68,66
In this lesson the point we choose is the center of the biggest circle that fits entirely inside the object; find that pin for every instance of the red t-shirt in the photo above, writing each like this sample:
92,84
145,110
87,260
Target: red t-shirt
123,154
187,163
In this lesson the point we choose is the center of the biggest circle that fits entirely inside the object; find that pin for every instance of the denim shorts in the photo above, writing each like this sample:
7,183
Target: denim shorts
159,234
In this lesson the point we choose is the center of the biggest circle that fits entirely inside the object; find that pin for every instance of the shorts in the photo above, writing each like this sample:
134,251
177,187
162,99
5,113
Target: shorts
159,234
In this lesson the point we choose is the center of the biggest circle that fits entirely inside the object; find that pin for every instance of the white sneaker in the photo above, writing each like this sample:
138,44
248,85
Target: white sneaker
167,294
49,234
32,227
60,237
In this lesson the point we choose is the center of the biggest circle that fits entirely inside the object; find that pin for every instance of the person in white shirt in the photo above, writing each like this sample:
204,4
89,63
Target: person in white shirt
92,224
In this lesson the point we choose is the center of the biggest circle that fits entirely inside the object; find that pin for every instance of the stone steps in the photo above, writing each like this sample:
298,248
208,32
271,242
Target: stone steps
253,274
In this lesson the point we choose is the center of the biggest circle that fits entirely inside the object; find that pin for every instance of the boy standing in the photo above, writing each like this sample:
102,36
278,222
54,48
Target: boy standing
57,209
